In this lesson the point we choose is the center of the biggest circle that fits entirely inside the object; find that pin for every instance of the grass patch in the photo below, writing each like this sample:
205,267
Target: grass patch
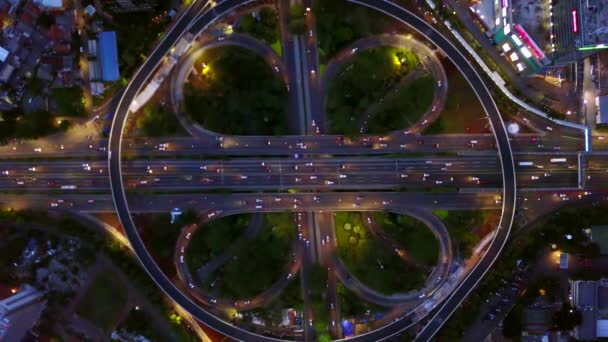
403,108
462,112
364,82
139,322
466,227
156,121
265,26
415,237
277,47
370,260
68,101
236,92
213,238
103,301
260,262
340,23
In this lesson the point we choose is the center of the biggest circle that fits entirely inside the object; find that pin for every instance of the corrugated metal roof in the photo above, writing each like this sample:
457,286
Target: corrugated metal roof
108,56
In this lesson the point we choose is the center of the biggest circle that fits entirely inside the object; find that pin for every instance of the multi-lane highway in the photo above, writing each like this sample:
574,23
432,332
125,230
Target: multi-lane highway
251,174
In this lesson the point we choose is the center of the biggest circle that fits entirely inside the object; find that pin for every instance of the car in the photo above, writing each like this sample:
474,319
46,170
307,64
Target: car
386,202
343,176
188,235
420,141
213,300
422,295
276,68
32,169
244,177
310,33
289,276
191,285
439,83
37,149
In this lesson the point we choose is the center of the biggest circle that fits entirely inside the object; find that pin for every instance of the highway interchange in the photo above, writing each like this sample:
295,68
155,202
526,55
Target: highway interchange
485,168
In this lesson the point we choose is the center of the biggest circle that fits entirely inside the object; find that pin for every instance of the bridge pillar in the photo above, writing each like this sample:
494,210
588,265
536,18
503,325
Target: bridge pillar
581,170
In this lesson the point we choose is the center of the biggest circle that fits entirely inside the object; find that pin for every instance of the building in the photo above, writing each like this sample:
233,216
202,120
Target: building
563,261
602,119
125,6
19,313
591,298
50,4
108,56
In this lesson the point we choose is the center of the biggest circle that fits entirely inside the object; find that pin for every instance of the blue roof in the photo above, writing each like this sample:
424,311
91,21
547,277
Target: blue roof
108,56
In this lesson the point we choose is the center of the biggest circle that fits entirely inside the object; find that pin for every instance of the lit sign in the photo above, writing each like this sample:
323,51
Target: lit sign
526,52
574,24
516,40
597,47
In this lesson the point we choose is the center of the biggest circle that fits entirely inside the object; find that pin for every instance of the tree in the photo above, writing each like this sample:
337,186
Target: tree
567,317
297,26
45,20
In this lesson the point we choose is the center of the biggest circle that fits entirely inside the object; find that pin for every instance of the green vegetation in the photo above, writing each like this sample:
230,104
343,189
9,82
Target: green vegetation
462,109
463,225
364,82
340,23
68,101
277,47
317,284
16,124
404,107
264,26
351,305
259,263
528,246
414,236
370,260
93,243
240,94
160,234
139,322
103,301
137,32
157,121
297,23
547,287
290,297
213,238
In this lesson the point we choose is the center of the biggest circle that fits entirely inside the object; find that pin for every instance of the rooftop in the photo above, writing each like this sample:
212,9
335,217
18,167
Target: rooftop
593,22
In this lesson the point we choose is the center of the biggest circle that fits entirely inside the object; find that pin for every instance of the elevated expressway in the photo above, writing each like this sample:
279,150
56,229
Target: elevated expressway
155,58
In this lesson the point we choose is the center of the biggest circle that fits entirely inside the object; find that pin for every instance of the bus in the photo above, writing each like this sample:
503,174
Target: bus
558,160
526,163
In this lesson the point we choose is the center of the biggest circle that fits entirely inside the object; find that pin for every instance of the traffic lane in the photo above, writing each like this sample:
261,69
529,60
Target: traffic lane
549,162
287,146
164,203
